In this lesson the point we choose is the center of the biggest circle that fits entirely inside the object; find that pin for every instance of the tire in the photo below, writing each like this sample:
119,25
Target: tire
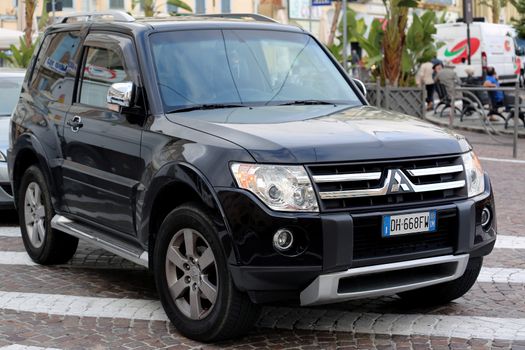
191,305
445,292
44,245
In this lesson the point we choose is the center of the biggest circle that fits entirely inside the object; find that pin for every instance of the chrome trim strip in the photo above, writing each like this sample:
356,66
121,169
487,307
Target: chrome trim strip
63,224
381,191
439,186
435,171
324,289
359,193
347,177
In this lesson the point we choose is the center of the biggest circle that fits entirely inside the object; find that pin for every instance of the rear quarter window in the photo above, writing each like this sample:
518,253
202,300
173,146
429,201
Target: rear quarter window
56,66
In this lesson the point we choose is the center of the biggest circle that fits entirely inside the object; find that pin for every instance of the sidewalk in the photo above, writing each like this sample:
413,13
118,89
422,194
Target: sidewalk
474,123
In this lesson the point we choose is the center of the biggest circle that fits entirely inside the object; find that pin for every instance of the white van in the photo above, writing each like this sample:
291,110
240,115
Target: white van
490,45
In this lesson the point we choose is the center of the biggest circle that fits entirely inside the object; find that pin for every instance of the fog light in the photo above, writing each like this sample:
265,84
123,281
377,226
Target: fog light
282,239
486,217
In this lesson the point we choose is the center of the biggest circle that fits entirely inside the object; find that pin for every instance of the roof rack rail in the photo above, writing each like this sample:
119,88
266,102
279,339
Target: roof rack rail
246,16
117,16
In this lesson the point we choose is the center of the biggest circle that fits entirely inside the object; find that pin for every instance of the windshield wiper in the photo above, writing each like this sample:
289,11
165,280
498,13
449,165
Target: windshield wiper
205,106
307,102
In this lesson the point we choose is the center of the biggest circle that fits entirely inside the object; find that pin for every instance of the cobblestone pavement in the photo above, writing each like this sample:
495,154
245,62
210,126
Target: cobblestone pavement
506,178
100,301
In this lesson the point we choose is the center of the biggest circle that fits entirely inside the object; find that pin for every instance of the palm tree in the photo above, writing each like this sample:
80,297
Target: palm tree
394,38
20,56
335,19
30,7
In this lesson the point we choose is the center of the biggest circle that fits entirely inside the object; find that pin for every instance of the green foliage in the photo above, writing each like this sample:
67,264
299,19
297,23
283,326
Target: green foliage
519,22
44,17
356,30
418,44
21,56
396,20
180,4
443,18
407,3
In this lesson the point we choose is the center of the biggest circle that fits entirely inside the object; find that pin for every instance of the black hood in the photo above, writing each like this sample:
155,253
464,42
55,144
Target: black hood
310,134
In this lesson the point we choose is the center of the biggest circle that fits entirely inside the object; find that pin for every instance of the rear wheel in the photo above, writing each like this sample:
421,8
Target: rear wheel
193,280
448,291
43,244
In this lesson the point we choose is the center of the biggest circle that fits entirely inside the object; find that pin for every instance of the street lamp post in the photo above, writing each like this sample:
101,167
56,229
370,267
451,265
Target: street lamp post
345,38
467,18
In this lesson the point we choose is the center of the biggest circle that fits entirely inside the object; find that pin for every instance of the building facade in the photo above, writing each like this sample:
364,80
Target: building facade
316,19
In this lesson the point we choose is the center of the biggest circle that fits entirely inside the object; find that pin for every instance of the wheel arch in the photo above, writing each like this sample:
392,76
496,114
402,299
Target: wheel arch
176,184
29,151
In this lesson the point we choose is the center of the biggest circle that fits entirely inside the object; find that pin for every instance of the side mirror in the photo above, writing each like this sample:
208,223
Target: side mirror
520,51
120,95
360,85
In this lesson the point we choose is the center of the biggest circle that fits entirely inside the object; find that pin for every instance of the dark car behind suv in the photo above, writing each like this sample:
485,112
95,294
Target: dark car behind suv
237,160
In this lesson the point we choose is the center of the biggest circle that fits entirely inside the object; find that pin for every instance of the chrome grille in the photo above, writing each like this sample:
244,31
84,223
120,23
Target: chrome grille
389,183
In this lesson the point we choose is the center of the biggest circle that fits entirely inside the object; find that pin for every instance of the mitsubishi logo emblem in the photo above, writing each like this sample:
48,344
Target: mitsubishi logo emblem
399,182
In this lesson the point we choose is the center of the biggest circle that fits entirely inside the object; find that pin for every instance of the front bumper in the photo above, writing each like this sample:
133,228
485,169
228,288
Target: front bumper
377,280
334,251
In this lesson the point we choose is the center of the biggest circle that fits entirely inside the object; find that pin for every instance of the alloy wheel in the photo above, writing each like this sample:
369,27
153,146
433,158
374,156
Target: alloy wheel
35,215
191,273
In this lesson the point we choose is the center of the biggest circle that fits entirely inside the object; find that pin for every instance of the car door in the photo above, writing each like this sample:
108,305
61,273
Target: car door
101,144
48,94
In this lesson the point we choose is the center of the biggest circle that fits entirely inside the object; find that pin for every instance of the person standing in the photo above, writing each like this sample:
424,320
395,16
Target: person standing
424,78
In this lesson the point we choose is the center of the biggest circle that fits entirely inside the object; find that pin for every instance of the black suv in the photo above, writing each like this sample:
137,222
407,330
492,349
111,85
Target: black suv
237,160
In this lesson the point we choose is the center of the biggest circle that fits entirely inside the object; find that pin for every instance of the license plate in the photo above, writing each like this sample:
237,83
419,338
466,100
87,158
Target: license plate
394,225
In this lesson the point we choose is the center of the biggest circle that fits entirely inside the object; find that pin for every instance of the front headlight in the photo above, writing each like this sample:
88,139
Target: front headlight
281,187
474,174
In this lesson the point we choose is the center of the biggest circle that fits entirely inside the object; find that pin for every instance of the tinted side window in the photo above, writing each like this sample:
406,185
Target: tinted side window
41,57
56,66
103,67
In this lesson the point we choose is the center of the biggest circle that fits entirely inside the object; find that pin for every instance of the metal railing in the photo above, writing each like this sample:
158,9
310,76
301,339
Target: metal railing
407,100
469,96
412,101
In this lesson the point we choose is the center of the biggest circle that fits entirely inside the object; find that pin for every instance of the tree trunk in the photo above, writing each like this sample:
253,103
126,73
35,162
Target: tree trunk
496,9
335,20
29,14
393,43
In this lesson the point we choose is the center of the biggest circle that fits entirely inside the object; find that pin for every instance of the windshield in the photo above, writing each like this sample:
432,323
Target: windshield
9,92
245,67
520,42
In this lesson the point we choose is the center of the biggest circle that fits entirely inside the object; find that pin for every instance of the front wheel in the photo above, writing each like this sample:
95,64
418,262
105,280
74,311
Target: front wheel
193,280
445,292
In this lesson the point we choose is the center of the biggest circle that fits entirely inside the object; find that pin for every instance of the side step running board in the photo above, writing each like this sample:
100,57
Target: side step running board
81,231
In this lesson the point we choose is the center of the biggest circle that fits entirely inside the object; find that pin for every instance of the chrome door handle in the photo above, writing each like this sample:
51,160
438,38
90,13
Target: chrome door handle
75,123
